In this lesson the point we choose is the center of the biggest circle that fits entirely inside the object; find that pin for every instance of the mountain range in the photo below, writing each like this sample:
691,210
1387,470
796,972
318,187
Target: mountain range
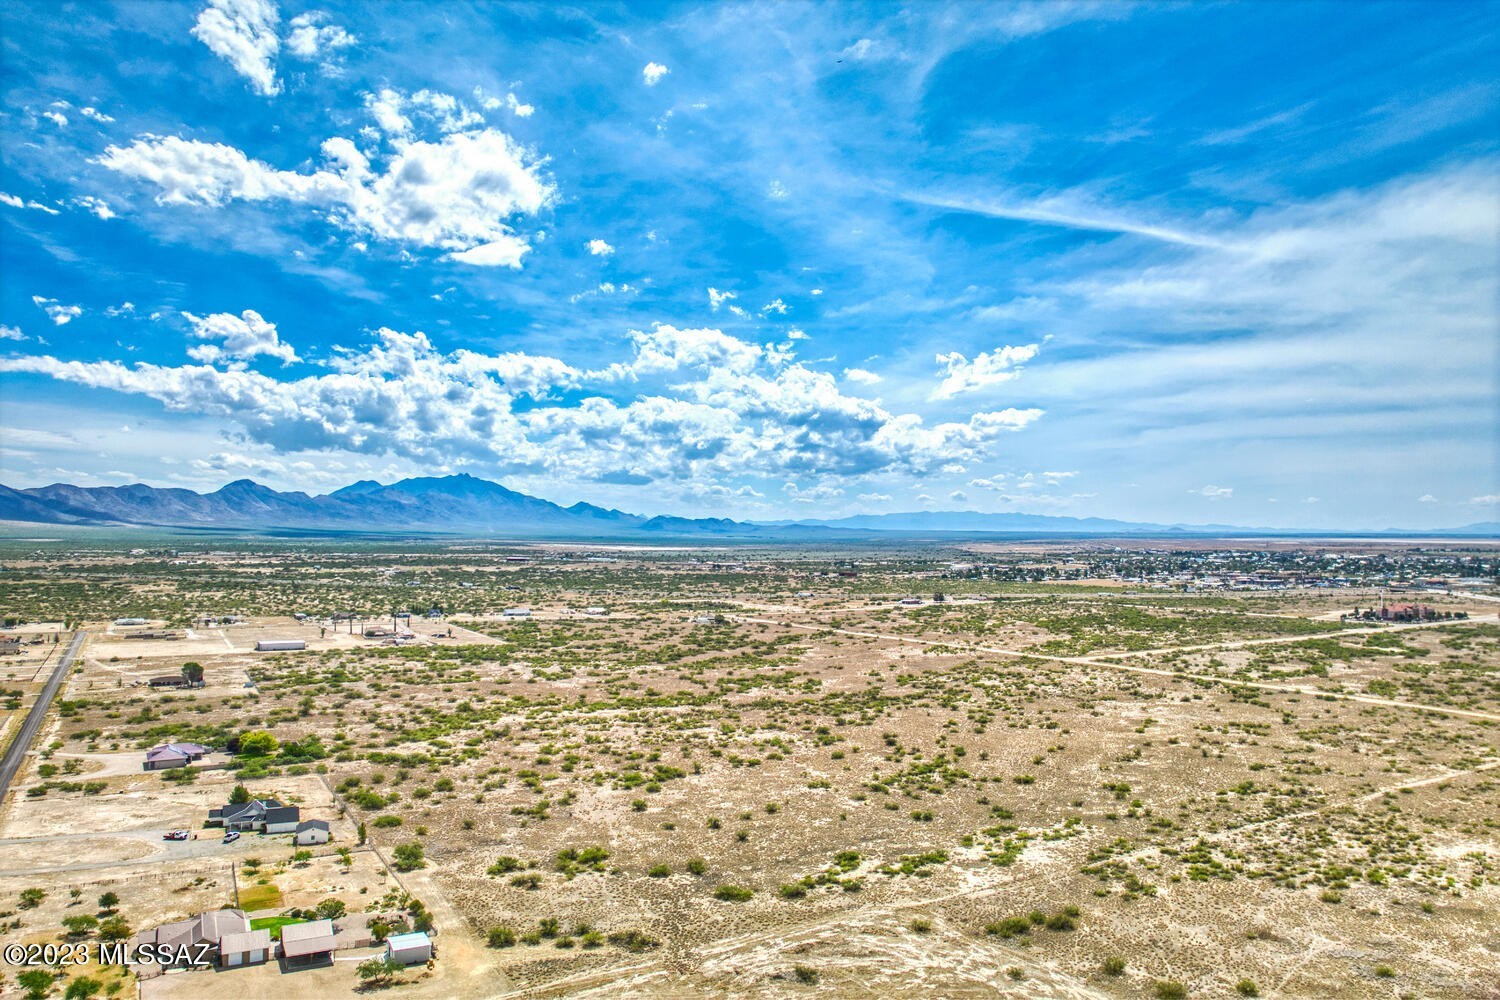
464,504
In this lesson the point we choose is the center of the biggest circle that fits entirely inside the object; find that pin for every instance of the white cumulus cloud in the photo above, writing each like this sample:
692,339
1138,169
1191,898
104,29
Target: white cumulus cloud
457,194
239,338
599,248
243,34
1215,492
986,369
312,36
59,314
653,73
705,406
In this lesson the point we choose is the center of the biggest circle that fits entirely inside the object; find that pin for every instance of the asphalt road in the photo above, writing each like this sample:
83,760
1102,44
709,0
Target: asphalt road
16,752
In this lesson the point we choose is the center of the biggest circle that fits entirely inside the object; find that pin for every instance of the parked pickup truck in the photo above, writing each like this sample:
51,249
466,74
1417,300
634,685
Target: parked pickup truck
175,835
231,836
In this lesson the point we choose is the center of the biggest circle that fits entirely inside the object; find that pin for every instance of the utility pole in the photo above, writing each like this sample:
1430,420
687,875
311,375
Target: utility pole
235,882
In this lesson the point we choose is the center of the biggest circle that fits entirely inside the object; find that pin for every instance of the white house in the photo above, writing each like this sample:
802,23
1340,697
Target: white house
313,831
517,612
408,949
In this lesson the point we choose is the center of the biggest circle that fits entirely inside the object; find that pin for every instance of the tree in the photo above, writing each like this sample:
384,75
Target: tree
361,832
301,858
83,988
36,982
32,897
409,857
80,924
192,672
258,743
114,929
377,970
239,796
331,909
108,901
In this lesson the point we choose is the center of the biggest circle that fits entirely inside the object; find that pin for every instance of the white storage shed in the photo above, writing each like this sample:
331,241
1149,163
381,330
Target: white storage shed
408,949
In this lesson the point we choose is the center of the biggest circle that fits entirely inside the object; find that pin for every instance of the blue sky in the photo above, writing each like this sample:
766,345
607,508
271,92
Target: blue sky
1201,263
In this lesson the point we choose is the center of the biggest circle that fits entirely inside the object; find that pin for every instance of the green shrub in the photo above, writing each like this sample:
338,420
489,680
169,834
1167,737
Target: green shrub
733,893
1009,927
633,940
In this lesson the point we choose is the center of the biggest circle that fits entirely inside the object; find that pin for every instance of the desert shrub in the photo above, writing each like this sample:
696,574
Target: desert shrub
733,893
633,940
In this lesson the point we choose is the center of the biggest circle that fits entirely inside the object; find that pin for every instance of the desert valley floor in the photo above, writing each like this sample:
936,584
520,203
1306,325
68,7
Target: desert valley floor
991,769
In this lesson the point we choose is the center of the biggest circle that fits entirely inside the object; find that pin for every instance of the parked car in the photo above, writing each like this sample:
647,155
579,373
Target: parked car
231,836
175,835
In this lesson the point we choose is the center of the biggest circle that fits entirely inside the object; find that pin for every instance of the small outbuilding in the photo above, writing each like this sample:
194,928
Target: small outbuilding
313,831
408,949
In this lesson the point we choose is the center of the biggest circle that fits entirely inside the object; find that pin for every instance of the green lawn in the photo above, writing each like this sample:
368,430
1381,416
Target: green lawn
274,924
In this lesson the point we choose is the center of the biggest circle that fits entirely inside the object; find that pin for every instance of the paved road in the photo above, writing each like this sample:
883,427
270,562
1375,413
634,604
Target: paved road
16,752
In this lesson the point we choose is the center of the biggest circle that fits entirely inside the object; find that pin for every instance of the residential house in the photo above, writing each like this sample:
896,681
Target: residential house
167,755
257,815
183,939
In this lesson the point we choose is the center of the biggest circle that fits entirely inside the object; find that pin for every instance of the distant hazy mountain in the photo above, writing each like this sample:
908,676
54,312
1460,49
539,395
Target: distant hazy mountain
463,503
451,503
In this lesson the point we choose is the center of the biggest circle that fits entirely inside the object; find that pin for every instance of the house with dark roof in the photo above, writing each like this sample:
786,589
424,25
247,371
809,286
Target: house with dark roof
168,755
257,815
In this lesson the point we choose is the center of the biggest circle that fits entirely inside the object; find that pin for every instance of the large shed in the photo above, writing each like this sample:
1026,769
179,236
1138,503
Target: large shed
279,645
303,944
